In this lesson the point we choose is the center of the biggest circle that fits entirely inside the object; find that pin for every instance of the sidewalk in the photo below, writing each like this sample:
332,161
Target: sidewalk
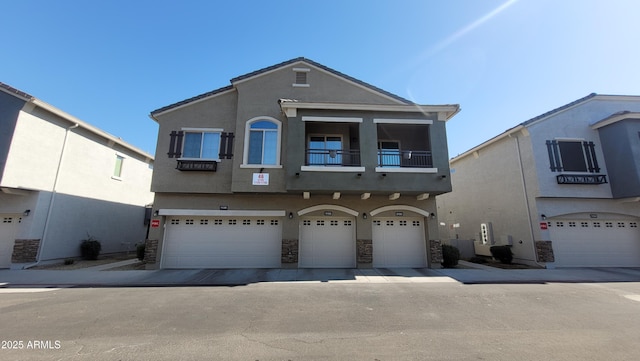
99,277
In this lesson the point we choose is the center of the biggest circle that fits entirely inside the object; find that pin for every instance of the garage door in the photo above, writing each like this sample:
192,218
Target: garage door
399,242
588,243
222,242
327,243
8,229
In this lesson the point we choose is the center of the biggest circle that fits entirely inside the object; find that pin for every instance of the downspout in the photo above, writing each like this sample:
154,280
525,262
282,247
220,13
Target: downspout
526,200
53,197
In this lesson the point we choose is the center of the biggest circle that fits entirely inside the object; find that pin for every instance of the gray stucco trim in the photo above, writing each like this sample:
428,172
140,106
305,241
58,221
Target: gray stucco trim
221,213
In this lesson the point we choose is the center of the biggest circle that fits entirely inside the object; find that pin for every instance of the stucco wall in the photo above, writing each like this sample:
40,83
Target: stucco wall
621,146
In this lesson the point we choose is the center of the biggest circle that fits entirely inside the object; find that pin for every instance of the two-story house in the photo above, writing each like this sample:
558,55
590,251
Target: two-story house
298,165
63,180
562,188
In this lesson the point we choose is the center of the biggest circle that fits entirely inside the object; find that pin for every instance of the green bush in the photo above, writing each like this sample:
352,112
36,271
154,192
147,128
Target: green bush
450,256
140,251
90,249
502,253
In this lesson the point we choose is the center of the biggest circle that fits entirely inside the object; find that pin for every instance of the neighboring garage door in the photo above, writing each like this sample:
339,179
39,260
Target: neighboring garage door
8,228
327,242
602,243
399,242
222,242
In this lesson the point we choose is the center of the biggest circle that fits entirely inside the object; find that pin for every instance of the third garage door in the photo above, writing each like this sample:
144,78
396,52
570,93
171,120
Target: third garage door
589,243
399,242
327,242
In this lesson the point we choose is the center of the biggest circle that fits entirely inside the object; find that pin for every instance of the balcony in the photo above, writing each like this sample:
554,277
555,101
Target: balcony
399,158
197,165
581,179
332,158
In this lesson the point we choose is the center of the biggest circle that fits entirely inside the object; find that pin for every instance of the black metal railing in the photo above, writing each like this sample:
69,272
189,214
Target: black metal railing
333,157
399,158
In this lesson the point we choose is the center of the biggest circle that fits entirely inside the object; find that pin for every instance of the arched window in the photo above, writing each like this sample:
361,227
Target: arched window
262,142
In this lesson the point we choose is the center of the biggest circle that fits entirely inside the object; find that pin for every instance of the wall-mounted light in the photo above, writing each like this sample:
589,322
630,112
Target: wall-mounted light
444,176
433,215
543,217
26,212
364,216
359,175
290,215
156,213
297,175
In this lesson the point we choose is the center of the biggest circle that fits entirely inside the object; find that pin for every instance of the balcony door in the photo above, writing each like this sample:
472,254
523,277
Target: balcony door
324,150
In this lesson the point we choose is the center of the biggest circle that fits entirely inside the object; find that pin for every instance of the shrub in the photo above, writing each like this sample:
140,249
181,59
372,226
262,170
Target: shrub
502,254
476,259
450,256
69,261
90,249
140,251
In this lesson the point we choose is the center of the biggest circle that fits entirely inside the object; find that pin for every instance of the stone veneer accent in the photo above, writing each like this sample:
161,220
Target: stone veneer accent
364,248
290,251
544,251
435,252
150,251
25,250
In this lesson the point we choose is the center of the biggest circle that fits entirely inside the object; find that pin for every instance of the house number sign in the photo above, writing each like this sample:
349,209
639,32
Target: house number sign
260,179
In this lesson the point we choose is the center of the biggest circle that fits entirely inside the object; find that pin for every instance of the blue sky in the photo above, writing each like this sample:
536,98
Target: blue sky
110,63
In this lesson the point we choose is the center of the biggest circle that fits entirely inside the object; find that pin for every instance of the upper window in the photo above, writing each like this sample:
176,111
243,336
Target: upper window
201,144
117,172
572,156
262,142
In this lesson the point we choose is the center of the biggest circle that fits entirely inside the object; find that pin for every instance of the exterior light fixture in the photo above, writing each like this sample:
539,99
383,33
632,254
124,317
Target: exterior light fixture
26,212
364,216
290,215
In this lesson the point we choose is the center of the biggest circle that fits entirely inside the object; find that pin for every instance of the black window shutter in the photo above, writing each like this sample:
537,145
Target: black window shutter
554,156
226,145
590,150
229,152
175,144
172,144
177,152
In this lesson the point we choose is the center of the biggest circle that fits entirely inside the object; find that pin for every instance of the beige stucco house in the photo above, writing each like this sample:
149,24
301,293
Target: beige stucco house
63,180
562,188
298,165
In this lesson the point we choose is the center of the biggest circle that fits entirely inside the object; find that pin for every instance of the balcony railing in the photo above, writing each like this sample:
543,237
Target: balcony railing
397,158
333,157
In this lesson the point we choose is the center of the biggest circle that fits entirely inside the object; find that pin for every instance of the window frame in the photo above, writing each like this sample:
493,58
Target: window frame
218,131
247,137
117,171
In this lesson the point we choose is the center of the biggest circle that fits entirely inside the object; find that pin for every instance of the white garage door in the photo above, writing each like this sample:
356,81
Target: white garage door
8,229
327,242
399,242
585,243
222,242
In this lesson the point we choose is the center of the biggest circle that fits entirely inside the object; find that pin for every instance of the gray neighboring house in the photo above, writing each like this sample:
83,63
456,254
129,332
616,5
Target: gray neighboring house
562,188
298,165
62,179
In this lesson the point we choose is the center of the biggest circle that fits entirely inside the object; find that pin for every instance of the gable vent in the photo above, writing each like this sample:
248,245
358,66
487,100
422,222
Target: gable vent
301,77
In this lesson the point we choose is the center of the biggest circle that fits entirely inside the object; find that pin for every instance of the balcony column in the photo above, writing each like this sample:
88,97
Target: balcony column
368,144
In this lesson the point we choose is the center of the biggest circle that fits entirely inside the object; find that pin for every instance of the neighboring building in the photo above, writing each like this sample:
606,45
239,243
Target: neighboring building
563,188
63,180
298,165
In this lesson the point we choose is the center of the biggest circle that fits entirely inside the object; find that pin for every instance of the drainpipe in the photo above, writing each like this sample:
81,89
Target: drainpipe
53,197
526,199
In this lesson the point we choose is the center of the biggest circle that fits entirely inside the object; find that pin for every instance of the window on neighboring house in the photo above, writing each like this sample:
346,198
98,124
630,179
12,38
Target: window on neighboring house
117,172
325,150
572,156
389,153
201,144
262,142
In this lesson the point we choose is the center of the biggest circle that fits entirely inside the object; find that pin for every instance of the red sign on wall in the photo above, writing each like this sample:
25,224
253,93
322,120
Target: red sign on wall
155,223
544,225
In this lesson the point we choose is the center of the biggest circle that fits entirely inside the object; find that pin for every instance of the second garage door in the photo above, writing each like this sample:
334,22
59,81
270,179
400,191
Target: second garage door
399,242
327,242
602,243
222,242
